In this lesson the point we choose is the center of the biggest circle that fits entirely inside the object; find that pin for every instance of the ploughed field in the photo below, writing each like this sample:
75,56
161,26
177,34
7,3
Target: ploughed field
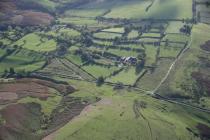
104,70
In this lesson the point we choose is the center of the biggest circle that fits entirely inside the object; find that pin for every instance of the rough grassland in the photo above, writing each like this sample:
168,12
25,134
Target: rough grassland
115,117
160,9
181,75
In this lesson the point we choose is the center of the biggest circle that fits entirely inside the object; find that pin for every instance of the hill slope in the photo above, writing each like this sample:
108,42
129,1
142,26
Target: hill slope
104,70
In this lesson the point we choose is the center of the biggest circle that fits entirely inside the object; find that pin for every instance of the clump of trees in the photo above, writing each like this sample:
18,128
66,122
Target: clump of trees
207,4
85,56
206,46
116,40
167,43
1,44
186,29
100,81
12,73
127,30
141,62
140,66
118,86
86,39
8,73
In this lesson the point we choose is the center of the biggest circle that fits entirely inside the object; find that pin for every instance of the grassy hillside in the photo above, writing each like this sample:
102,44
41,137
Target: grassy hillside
181,80
129,115
145,8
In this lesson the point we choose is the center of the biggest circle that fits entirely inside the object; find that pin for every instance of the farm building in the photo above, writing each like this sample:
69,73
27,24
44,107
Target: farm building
129,60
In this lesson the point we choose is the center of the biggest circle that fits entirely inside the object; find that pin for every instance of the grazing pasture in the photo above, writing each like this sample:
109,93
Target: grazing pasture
22,60
34,42
128,76
98,71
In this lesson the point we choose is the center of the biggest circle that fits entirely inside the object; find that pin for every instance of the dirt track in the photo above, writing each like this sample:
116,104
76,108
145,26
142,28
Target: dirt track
172,66
84,111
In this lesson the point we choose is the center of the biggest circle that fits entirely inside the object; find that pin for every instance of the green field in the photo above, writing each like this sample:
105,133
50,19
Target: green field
2,52
133,34
128,76
107,35
169,51
22,60
79,21
98,71
64,32
5,41
123,52
177,37
84,12
116,30
36,43
151,52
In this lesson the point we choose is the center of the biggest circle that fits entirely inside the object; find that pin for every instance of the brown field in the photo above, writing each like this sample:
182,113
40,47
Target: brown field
206,46
30,87
32,18
20,118
23,120
203,80
12,14
8,96
204,131
7,6
62,88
